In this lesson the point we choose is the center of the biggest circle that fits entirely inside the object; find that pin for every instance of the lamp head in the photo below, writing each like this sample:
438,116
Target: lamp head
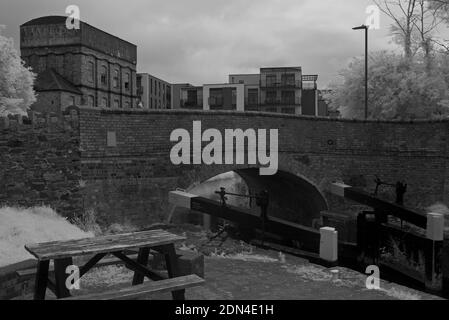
360,28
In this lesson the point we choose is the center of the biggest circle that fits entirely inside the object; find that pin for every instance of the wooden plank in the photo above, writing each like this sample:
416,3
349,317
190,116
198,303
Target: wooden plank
392,209
309,237
51,286
110,243
142,259
138,291
103,263
171,260
91,263
40,285
60,277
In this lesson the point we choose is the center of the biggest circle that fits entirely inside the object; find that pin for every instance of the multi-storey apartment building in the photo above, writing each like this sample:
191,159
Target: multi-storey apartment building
280,90
153,92
84,66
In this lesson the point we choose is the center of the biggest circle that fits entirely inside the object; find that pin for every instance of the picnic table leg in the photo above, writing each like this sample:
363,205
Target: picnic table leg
41,280
60,277
171,261
142,258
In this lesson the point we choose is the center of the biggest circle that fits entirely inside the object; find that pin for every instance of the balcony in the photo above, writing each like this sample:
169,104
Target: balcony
309,82
252,102
191,104
215,101
264,84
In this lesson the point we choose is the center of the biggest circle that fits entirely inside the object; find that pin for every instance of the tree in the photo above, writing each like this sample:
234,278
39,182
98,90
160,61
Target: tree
399,88
403,14
16,80
414,23
441,8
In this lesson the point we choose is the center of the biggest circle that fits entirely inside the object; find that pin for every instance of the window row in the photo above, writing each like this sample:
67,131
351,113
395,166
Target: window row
104,77
158,88
157,104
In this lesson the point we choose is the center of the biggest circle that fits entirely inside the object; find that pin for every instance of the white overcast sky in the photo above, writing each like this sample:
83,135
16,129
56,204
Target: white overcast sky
203,41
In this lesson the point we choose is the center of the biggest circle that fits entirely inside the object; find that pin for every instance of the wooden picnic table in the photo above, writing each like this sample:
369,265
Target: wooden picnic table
63,252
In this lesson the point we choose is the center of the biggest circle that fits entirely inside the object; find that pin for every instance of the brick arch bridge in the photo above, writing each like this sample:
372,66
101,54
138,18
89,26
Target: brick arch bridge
128,181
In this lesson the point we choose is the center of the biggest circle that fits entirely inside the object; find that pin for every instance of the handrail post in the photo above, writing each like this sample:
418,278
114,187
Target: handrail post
433,252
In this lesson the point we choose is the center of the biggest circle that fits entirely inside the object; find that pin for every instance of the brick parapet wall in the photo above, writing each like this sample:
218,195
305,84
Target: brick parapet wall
138,170
65,162
40,159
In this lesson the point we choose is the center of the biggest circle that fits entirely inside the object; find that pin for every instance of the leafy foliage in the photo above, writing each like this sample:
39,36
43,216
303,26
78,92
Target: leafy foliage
16,81
399,89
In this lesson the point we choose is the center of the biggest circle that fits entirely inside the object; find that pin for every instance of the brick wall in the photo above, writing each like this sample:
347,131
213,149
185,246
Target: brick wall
48,102
53,162
40,160
131,180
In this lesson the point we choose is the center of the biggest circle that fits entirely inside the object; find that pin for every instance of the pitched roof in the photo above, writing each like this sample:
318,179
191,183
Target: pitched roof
50,80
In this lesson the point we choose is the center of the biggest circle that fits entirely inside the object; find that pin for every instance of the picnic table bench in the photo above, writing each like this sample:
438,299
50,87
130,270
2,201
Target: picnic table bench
63,252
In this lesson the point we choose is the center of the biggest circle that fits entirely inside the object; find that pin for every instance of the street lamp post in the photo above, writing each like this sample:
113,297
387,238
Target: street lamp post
364,27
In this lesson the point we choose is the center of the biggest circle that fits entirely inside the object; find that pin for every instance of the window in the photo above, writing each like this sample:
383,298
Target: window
192,98
116,104
127,82
253,96
72,101
90,101
91,71
104,76
104,102
288,79
151,86
288,97
115,79
271,96
216,97
127,105
271,80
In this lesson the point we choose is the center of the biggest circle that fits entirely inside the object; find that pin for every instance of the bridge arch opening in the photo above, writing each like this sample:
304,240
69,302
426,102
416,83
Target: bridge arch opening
292,198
